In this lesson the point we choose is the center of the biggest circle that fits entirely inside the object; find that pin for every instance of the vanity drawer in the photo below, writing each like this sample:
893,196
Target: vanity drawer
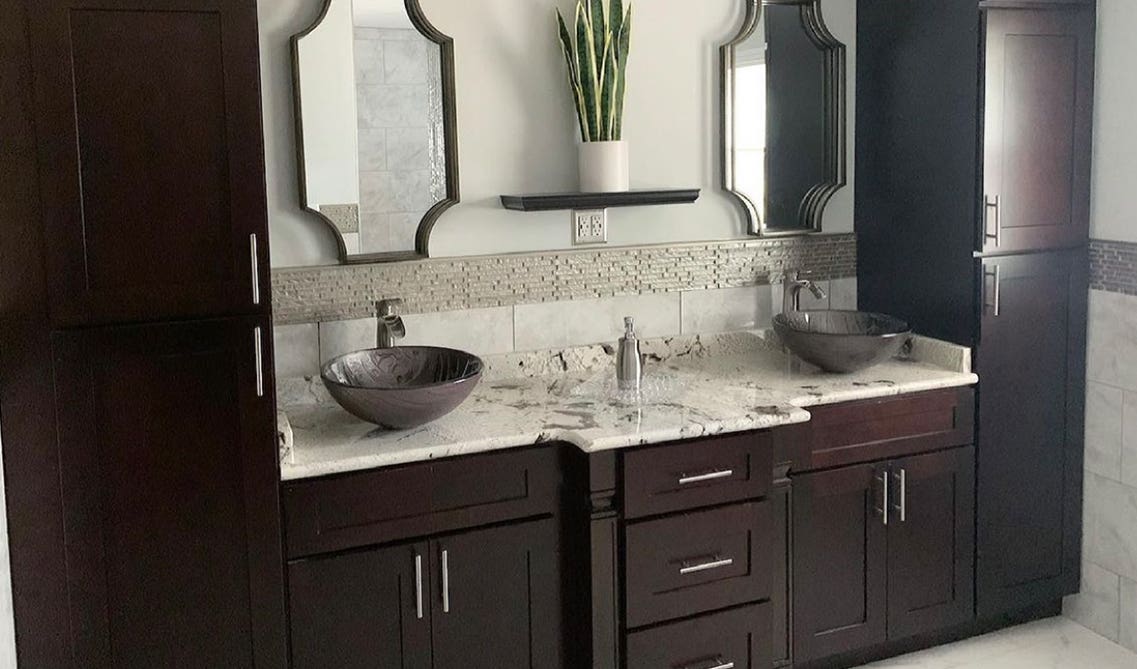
693,474
857,432
696,562
740,639
385,505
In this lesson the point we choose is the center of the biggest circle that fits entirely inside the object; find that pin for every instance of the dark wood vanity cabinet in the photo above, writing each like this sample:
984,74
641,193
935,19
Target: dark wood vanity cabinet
150,159
167,452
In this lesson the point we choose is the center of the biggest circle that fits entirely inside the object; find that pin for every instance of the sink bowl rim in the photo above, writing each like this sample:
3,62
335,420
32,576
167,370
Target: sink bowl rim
477,364
782,320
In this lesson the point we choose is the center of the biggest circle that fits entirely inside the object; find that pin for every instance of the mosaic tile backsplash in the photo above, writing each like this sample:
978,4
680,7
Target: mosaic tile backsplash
344,292
1113,266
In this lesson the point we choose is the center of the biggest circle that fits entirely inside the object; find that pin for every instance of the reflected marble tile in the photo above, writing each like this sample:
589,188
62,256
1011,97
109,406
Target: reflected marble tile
408,148
372,150
1103,430
340,337
1112,355
405,62
391,192
1129,439
479,331
296,350
1127,625
403,229
595,321
375,233
393,106
368,61
1111,525
726,310
1097,605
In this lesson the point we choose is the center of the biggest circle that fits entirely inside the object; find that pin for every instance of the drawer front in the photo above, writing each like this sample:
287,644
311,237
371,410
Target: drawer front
699,473
739,639
698,562
857,432
386,505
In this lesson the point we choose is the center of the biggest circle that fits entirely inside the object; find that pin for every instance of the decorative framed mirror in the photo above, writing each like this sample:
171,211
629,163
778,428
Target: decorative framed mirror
783,116
376,126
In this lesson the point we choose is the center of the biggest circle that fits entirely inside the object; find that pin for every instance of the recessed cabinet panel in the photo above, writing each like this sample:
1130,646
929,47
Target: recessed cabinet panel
168,475
151,159
739,639
1038,129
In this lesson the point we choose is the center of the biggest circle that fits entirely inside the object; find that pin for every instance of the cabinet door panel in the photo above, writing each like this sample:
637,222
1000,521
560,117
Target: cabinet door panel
931,548
1038,129
361,610
151,156
169,478
1031,362
781,595
839,561
497,598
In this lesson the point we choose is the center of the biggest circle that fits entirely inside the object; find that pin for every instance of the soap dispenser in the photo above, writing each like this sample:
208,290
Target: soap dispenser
629,363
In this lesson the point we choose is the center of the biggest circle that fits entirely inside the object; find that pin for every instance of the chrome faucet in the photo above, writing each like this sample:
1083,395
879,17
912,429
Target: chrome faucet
390,323
791,293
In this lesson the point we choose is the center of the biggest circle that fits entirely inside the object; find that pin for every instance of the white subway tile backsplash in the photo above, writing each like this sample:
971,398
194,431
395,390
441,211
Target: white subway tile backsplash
726,309
577,322
1103,430
1127,627
479,331
1097,606
339,337
1110,534
296,349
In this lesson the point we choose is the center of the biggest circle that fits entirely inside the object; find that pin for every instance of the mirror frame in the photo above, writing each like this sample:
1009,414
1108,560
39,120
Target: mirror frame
449,133
813,205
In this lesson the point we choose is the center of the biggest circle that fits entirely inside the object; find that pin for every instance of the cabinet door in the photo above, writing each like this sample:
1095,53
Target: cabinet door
169,481
497,598
931,543
1031,365
1037,129
361,610
839,561
781,594
151,158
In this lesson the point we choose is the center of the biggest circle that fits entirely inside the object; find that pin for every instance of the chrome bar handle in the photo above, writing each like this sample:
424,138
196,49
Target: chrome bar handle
255,264
988,206
996,289
418,586
445,582
258,356
716,563
883,508
719,664
688,479
902,481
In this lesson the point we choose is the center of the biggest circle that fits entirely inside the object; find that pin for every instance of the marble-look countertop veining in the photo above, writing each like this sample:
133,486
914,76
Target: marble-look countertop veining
710,385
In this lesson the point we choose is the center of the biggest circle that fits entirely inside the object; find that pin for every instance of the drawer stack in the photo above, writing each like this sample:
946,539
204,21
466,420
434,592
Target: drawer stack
698,546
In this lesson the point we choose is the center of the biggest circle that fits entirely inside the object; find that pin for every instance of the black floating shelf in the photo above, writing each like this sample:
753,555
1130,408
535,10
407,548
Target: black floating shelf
632,198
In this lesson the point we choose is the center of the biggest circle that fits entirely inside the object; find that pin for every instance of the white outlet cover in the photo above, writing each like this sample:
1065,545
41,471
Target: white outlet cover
589,226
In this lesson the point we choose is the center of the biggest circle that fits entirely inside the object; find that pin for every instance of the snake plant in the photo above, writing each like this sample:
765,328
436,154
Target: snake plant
596,53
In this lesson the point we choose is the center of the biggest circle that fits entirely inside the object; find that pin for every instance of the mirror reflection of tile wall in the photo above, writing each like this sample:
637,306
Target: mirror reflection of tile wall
401,163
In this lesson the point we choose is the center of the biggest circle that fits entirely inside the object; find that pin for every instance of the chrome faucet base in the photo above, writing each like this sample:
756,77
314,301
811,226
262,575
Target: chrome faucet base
390,327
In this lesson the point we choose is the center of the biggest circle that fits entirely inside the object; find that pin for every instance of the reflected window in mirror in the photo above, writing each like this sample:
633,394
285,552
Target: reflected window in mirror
783,116
376,128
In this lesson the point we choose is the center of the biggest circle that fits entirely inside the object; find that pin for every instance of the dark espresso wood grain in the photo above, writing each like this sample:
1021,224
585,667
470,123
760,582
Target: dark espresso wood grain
739,638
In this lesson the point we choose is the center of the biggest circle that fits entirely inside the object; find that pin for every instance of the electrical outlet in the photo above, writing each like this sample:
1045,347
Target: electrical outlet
589,226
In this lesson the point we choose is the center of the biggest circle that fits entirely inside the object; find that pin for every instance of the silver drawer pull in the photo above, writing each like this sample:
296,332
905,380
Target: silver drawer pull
688,479
418,586
721,664
717,563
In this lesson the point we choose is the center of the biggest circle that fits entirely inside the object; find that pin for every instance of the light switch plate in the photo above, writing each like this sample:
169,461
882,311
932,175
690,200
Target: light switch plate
589,226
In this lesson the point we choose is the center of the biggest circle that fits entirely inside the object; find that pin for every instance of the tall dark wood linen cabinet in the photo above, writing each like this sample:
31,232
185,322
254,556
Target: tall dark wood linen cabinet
135,336
974,125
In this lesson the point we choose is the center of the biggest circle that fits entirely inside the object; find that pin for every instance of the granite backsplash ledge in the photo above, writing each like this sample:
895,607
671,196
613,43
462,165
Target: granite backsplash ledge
315,294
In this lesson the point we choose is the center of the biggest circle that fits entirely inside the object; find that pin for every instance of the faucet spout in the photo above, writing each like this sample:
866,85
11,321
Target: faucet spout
791,293
390,325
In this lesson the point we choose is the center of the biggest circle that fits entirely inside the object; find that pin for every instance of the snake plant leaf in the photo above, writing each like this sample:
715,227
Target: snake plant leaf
609,91
573,75
623,46
599,22
589,82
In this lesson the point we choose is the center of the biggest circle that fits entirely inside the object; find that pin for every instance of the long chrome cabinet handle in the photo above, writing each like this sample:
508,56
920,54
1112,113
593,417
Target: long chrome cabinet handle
902,481
720,664
688,479
418,586
255,265
996,277
716,563
988,206
883,508
258,356
445,582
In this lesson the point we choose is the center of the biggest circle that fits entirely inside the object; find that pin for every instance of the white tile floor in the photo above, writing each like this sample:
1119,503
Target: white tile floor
1056,643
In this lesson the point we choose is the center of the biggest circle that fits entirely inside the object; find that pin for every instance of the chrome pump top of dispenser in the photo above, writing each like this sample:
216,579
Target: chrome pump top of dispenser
629,362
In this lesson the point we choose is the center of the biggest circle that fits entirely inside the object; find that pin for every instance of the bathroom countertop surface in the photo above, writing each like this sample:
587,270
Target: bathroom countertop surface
695,386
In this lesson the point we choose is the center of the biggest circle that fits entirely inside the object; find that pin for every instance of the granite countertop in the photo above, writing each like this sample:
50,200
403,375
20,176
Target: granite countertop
694,386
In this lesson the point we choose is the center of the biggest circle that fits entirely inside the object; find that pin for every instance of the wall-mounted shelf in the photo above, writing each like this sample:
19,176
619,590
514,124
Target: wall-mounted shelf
632,198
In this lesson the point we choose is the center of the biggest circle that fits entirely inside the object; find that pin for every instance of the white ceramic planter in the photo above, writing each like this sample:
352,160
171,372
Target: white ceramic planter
603,167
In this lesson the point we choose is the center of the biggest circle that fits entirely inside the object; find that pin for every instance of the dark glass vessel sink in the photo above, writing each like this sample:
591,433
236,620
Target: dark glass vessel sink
842,341
403,387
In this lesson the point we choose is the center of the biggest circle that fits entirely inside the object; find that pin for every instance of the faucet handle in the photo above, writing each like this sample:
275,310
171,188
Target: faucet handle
389,307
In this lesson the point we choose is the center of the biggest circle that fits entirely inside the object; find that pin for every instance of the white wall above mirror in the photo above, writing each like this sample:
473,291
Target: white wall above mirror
518,129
